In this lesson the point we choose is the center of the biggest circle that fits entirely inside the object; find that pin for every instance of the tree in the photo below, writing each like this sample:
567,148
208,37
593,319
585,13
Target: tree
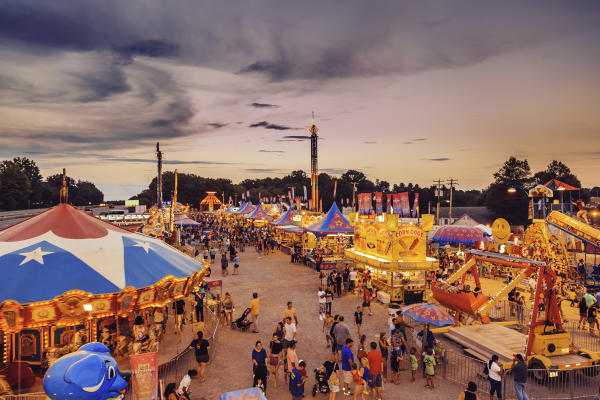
31,170
559,171
15,188
515,174
87,193
354,176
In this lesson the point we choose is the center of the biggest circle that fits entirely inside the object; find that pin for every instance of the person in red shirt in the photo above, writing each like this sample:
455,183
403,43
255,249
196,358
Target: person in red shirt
367,300
375,368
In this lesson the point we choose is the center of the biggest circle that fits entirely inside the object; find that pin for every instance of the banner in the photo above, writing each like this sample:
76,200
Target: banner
298,204
290,197
416,206
397,203
244,196
388,203
365,204
334,189
144,375
405,203
379,203
305,193
293,194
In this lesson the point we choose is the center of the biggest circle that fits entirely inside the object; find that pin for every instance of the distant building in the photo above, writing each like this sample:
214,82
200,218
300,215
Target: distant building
469,216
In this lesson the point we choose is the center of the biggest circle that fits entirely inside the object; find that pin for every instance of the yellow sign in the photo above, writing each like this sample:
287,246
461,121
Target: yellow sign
385,239
410,243
501,230
427,222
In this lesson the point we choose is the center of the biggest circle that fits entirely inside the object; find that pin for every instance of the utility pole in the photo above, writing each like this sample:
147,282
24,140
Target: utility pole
452,182
438,193
353,195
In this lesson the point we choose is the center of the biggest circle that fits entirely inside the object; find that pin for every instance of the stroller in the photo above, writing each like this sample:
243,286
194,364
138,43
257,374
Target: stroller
321,385
242,322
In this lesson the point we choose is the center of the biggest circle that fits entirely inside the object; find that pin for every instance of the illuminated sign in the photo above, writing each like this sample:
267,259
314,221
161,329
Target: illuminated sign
132,203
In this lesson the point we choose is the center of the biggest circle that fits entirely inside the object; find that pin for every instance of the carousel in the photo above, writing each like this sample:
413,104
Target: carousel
70,278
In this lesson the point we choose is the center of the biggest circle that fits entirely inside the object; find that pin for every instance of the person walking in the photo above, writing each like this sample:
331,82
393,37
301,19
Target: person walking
259,366
341,333
430,364
297,380
228,308
224,264
347,358
375,370
322,296
495,377
201,348
275,349
358,317
290,311
384,345
519,369
236,264
213,254
254,307
327,324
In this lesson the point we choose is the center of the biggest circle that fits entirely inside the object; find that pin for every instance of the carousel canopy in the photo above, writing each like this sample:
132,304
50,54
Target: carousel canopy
333,223
259,213
459,234
64,249
286,219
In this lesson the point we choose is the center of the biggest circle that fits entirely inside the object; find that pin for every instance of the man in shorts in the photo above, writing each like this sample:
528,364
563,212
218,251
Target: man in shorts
290,311
375,369
254,311
347,361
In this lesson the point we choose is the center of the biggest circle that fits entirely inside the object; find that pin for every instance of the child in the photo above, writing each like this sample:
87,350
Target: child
414,363
359,382
358,315
429,362
327,324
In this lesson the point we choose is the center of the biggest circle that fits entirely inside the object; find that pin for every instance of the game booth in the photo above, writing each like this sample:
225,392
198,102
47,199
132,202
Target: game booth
329,238
395,258
258,216
70,278
286,230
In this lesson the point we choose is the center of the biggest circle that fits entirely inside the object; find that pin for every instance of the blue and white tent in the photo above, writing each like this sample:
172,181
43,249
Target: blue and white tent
64,249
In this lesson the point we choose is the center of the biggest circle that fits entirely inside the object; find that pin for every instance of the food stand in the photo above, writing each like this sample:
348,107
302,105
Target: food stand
329,237
258,216
395,257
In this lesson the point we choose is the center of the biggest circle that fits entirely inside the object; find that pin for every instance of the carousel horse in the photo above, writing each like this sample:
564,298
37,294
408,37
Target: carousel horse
90,373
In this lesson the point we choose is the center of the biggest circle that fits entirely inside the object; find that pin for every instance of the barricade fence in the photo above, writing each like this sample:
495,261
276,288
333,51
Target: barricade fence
577,383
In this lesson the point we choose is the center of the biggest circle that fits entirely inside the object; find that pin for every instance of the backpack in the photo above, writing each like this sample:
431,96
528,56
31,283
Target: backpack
486,369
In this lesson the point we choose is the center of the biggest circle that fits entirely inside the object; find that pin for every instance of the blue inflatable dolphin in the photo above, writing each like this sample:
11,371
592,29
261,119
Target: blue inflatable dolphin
89,373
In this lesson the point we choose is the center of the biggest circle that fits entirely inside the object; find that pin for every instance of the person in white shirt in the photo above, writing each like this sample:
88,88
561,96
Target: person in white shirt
352,277
495,377
290,332
186,381
322,303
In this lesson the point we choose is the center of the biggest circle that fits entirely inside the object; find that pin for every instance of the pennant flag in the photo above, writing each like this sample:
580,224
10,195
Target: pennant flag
379,203
389,203
416,206
305,195
334,189
293,194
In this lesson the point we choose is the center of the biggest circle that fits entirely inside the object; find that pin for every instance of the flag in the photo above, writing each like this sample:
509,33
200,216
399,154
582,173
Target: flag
290,197
259,198
244,196
378,203
248,194
334,189
404,201
389,203
365,204
347,201
230,200
305,194
416,206
397,203
293,194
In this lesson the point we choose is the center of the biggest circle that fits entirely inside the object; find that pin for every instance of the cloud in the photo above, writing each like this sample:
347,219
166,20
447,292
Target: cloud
148,48
294,138
271,151
433,23
263,105
268,125
263,170
436,159
333,171
407,142
216,125
370,142
420,139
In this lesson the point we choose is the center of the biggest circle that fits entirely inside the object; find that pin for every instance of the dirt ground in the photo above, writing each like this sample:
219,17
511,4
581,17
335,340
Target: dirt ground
277,280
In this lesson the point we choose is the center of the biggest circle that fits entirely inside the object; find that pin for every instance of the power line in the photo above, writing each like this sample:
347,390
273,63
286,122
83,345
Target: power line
438,193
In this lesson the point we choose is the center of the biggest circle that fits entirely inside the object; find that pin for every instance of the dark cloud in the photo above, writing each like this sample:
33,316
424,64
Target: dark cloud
433,23
149,48
267,125
263,105
370,142
262,170
407,142
170,162
180,113
271,151
296,137
333,171
100,84
216,125
420,139
436,159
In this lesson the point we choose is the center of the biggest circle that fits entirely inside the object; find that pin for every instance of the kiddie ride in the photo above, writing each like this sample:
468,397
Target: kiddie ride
548,345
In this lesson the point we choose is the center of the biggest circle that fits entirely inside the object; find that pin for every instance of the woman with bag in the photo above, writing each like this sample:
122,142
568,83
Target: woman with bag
333,375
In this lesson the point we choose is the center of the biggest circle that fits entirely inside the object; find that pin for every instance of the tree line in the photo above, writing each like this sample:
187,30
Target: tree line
22,186
514,173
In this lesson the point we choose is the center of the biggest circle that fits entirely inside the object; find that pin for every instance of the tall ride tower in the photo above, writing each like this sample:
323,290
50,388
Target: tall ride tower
314,168
159,197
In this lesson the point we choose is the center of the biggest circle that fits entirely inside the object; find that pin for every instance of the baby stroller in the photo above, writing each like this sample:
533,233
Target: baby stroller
321,385
242,322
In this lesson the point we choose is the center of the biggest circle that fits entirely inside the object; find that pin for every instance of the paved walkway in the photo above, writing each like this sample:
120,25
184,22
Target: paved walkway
277,281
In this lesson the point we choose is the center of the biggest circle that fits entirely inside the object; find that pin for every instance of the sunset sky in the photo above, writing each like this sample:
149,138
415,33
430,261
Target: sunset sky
406,91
